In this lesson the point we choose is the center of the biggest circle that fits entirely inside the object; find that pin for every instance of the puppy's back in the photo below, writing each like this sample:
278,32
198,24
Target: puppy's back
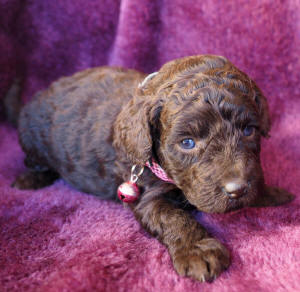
68,126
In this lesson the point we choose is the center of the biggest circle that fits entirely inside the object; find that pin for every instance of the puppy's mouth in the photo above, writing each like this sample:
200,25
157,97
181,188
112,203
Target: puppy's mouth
239,200
221,201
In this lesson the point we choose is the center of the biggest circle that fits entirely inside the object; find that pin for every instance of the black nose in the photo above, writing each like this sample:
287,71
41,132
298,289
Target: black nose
235,188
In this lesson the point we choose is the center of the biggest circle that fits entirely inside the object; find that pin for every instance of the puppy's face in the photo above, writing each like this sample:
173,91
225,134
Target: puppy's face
210,146
202,119
209,138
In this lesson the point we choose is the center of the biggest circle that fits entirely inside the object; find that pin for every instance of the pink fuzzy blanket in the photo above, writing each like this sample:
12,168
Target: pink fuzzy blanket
59,239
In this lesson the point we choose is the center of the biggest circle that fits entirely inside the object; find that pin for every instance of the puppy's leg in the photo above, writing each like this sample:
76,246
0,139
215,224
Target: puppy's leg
272,196
193,251
37,176
32,179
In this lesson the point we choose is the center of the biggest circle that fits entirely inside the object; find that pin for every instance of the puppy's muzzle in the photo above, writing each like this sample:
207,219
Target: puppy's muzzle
235,188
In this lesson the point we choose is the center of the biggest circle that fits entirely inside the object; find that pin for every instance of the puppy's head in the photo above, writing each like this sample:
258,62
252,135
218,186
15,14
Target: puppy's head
202,119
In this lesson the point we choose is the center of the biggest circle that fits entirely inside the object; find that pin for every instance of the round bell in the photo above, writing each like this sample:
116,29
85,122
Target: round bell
128,192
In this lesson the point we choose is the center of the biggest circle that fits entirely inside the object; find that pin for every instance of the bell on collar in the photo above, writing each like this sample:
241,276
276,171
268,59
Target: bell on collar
129,192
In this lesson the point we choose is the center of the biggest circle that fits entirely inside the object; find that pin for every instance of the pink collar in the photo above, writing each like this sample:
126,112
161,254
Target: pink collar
158,171
129,192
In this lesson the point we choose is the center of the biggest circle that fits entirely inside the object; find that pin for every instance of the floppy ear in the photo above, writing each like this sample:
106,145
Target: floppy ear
265,121
134,124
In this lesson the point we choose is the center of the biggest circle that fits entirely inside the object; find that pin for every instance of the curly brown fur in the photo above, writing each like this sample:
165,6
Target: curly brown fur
90,129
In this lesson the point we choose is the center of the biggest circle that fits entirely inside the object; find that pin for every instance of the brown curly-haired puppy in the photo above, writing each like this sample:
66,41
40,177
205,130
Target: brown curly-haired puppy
199,117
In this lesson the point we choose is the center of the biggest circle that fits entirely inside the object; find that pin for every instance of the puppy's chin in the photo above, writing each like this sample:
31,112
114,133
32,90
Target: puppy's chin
220,203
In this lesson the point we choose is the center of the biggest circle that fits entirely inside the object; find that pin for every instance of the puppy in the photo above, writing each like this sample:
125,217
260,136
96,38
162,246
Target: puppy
198,119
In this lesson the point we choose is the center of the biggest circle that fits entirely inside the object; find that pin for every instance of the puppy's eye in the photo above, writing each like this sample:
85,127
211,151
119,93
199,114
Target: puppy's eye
187,143
248,130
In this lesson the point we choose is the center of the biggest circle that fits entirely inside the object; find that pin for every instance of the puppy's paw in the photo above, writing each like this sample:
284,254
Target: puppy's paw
204,261
280,196
33,180
24,181
273,196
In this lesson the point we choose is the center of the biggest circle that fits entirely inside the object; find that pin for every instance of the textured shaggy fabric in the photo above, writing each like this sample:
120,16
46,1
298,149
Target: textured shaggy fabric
59,239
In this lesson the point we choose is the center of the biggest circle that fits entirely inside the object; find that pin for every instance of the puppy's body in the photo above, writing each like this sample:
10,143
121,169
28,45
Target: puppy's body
199,117
68,128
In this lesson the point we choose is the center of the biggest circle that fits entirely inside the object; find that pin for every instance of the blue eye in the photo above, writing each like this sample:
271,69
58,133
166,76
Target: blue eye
187,143
248,130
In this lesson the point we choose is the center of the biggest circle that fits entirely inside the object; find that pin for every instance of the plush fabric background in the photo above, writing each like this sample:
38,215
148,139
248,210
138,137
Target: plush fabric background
58,239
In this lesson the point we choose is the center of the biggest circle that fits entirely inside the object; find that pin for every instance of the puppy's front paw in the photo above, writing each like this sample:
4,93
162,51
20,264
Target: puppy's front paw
273,196
204,261
280,196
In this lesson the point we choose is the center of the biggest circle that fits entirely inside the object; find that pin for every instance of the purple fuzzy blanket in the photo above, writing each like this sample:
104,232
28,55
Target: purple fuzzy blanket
59,239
